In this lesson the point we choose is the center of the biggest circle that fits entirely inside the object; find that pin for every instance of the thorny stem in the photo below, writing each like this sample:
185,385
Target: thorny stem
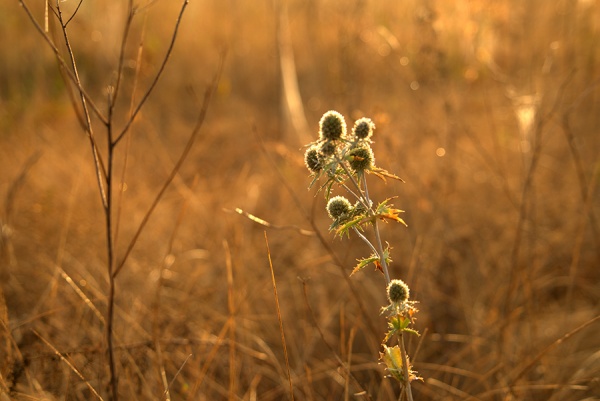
380,252
351,192
405,367
362,198
363,178
366,240
359,189
384,265
386,273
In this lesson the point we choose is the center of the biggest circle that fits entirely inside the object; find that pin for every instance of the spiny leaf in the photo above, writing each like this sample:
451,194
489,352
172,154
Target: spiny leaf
392,357
357,221
382,174
385,211
365,262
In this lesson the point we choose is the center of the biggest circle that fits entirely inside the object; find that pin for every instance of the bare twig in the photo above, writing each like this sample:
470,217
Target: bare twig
530,364
539,129
337,357
74,13
113,94
207,98
69,364
156,78
62,61
101,174
285,353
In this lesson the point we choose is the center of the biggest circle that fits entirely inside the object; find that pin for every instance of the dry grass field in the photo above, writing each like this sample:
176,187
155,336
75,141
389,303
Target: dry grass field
489,110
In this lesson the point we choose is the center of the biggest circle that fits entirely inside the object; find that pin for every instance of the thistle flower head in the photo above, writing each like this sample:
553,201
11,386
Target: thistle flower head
361,158
360,208
327,148
363,128
311,159
397,291
338,207
332,126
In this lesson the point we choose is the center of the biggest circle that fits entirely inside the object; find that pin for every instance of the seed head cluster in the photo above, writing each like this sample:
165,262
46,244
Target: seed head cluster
343,159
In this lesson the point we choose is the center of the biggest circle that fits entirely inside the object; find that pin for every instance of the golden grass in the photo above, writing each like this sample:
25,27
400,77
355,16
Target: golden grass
451,90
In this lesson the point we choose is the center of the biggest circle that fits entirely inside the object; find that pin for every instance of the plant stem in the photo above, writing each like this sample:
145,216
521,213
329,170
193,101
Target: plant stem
384,265
386,272
405,367
366,240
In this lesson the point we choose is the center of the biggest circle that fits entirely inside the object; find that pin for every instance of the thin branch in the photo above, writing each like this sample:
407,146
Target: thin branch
115,90
128,142
529,365
69,364
207,98
101,174
74,13
339,360
366,240
62,61
285,353
512,281
156,78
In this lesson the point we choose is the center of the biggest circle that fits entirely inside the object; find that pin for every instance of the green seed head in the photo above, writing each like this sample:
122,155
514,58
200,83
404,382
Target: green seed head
311,159
363,128
361,158
327,148
398,292
338,207
332,126
359,207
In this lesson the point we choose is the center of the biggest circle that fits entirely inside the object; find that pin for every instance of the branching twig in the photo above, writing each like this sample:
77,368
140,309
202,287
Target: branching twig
62,62
156,78
207,98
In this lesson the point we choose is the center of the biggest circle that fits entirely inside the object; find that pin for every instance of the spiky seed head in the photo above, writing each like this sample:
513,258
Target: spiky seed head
327,148
363,128
398,292
361,158
359,207
311,159
332,126
338,207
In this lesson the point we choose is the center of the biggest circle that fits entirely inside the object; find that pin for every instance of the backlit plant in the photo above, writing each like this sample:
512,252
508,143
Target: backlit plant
338,160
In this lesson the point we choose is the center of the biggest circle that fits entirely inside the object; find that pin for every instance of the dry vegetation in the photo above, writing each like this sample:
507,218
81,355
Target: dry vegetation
489,110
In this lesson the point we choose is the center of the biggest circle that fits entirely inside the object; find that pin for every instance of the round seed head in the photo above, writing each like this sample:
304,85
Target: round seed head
311,159
338,206
327,148
332,126
398,292
359,207
363,128
361,158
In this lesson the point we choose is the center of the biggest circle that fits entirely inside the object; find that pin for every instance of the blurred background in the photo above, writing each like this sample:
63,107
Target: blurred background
489,110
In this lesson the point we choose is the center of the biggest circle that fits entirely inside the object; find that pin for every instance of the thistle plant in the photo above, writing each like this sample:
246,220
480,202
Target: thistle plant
342,160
